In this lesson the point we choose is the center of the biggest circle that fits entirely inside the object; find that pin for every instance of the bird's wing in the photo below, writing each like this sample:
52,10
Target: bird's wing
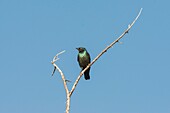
78,58
89,57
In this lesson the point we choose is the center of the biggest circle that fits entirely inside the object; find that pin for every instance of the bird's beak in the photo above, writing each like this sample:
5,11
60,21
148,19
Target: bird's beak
77,48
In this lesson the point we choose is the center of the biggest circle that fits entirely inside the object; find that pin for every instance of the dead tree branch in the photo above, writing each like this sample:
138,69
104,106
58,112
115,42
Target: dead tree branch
69,94
108,47
64,80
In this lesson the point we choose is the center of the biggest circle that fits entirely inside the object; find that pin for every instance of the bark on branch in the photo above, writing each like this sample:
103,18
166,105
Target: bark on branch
69,94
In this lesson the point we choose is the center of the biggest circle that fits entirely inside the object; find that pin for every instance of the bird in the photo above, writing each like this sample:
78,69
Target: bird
84,59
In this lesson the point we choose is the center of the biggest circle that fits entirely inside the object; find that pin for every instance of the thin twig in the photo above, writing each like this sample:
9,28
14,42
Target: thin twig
53,71
56,56
55,59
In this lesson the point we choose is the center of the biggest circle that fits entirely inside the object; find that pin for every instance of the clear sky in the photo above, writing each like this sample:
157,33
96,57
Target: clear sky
133,77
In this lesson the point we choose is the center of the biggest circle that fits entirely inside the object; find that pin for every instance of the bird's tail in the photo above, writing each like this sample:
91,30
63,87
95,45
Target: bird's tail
86,74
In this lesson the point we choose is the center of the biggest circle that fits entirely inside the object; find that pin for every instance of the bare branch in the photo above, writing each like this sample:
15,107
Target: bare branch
68,94
108,47
56,56
55,59
63,78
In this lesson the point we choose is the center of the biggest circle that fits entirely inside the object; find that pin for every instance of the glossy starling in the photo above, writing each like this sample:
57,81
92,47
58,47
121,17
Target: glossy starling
83,59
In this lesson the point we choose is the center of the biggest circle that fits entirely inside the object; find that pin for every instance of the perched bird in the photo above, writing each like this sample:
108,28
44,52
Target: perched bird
83,59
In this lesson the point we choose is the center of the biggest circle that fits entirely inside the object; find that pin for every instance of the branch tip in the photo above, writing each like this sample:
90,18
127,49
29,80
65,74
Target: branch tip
56,56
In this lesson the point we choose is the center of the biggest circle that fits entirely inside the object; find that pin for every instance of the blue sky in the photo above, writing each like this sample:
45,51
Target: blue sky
132,77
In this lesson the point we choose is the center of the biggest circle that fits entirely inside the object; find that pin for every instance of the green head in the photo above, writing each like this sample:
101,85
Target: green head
81,49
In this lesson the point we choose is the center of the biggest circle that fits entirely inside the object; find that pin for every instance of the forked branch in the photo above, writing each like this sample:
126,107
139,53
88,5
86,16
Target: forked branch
68,94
